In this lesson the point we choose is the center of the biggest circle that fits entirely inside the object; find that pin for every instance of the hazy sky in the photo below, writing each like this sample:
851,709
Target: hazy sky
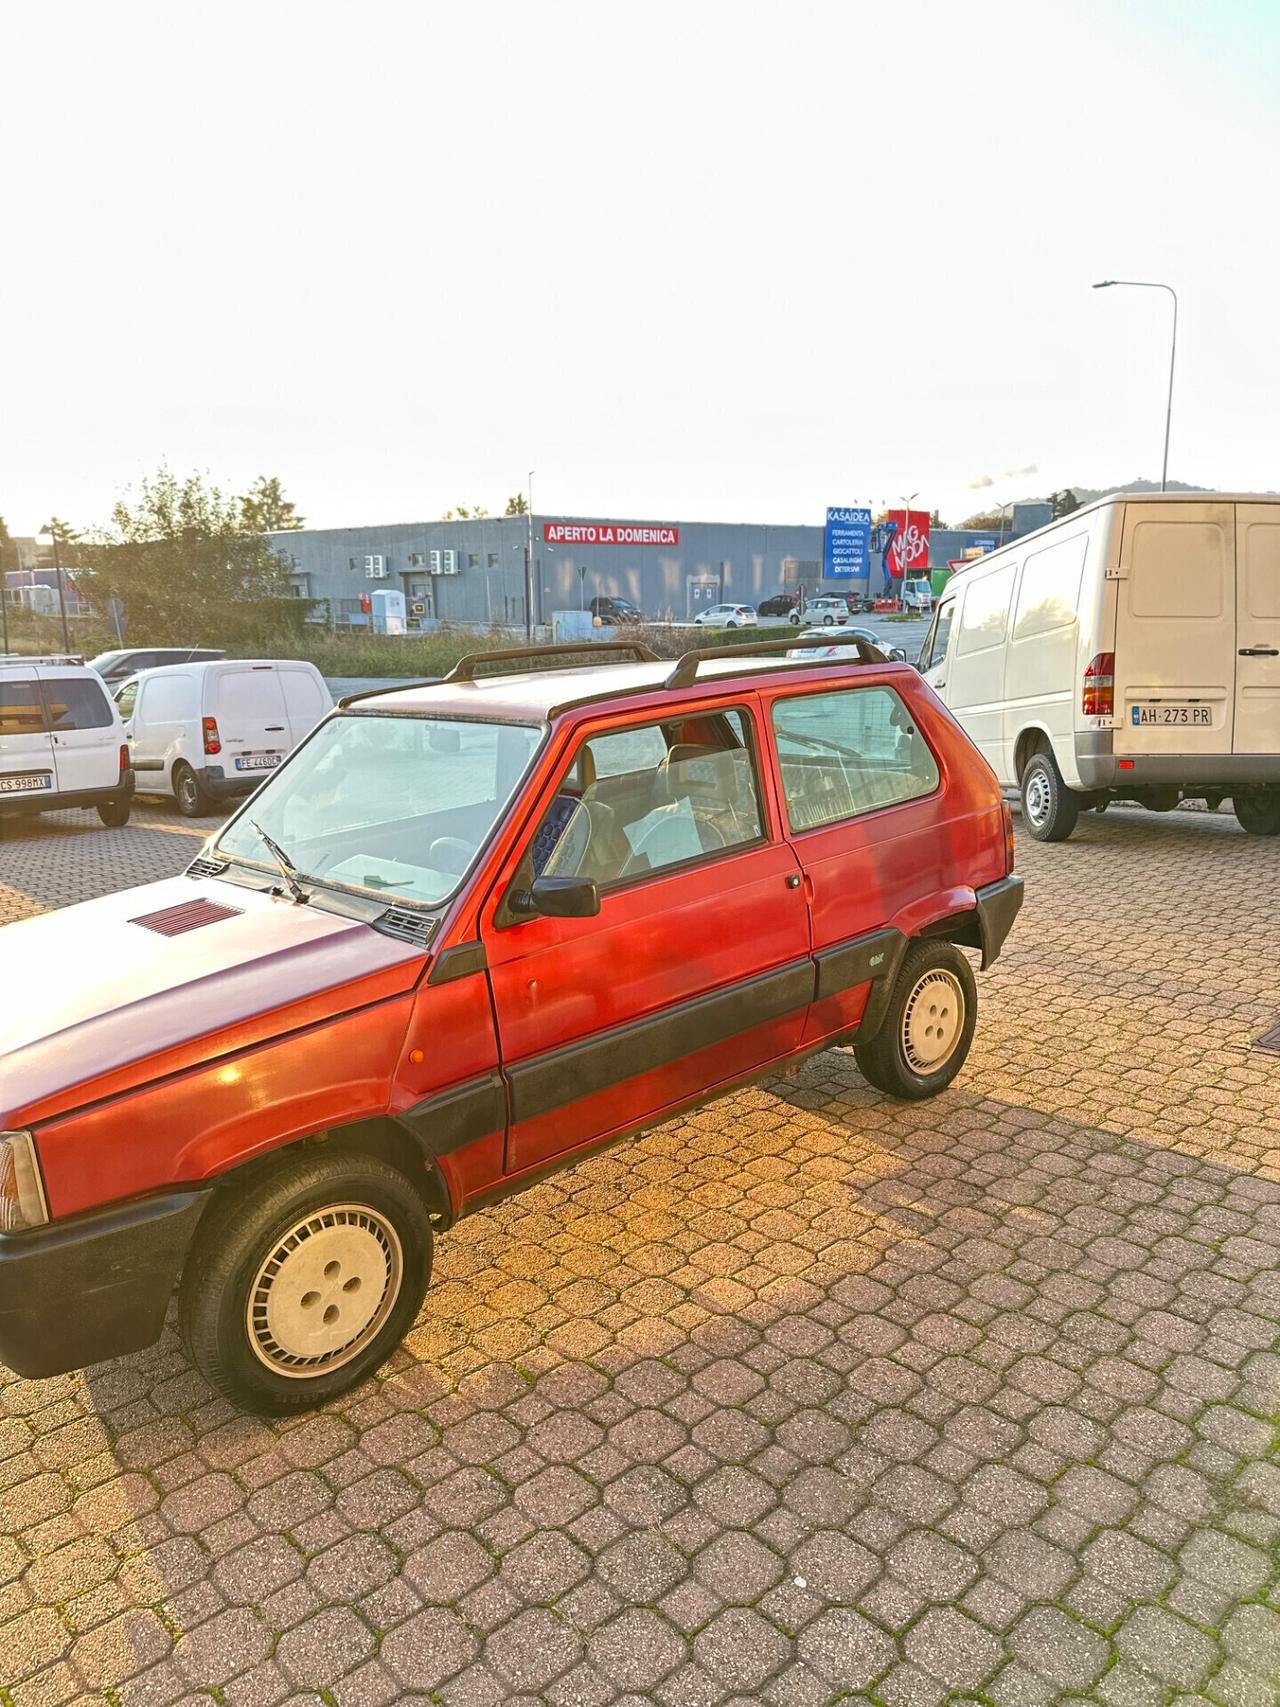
703,260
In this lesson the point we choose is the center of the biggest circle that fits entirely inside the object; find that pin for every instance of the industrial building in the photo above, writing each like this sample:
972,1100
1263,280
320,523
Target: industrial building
473,571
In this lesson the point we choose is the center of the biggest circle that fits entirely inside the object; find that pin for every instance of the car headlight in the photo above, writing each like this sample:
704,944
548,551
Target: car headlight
22,1200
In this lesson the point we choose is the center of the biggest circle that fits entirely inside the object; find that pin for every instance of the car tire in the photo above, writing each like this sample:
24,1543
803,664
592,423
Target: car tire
1258,814
924,1037
114,813
828,621
190,794
732,625
317,1246
794,620
1049,808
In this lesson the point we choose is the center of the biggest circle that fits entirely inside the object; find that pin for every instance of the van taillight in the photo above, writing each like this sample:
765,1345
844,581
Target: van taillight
212,740
1098,698
124,759
1008,837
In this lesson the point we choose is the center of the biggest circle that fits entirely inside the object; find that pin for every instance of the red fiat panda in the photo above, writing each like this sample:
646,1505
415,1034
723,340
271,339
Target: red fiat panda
467,933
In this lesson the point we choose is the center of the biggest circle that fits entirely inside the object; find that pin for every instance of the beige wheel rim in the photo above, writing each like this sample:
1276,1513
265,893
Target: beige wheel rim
324,1291
932,1021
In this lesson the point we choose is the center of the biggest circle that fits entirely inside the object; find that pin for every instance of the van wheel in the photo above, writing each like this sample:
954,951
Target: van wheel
114,813
1049,808
302,1283
928,1026
1259,814
192,800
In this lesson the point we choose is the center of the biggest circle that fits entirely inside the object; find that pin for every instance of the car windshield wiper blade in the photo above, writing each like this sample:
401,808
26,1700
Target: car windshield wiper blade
288,870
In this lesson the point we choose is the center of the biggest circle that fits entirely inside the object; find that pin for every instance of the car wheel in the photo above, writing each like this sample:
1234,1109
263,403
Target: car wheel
114,813
828,621
301,1284
794,620
1258,814
732,625
193,801
1049,809
928,1026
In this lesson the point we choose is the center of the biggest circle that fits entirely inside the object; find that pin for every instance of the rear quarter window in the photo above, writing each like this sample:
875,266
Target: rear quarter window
984,615
76,702
846,753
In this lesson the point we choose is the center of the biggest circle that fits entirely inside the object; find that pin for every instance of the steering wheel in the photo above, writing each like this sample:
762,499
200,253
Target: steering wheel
570,849
649,848
451,853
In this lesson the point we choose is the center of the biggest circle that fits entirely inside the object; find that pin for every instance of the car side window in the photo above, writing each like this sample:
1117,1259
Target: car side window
935,646
21,712
850,752
73,702
646,799
126,699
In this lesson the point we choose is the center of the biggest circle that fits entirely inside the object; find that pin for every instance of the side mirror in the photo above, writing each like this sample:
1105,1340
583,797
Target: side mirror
897,655
444,740
557,898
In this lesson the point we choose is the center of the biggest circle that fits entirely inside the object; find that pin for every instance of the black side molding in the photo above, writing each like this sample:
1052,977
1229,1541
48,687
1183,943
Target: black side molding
460,961
580,1069
457,1117
998,905
873,958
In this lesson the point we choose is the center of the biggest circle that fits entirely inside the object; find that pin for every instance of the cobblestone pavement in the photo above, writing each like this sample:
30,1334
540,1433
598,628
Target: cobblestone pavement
809,1397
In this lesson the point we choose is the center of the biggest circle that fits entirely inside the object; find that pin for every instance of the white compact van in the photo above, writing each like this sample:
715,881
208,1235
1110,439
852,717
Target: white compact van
207,732
61,742
1129,651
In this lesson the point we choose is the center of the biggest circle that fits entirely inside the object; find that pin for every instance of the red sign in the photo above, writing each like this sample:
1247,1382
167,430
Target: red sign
608,533
909,551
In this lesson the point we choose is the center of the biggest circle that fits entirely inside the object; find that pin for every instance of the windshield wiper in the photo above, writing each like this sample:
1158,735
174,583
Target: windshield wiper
288,870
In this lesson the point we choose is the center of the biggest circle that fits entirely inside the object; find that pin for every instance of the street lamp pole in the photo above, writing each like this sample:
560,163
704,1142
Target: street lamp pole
1151,284
528,565
62,596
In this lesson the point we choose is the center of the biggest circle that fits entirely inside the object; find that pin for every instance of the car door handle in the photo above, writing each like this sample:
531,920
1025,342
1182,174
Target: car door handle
1260,651
274,729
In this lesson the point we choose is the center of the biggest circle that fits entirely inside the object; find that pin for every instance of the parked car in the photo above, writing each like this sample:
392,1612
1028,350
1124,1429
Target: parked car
842,648
205,733
615,612
115,667
61,742
827,609
726,616
325,1049
781,604
1128,651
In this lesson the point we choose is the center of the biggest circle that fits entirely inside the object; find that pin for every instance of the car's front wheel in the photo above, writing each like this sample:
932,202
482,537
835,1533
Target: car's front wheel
1258,814
302,1282
794,620
928,1026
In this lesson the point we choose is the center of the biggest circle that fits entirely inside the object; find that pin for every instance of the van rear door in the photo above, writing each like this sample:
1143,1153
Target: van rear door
84,727
306,699
26,751
247,703
1175,645
1257,628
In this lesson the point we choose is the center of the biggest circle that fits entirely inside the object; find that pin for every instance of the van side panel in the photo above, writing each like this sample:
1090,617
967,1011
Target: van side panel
975,669
1041,659
1176,629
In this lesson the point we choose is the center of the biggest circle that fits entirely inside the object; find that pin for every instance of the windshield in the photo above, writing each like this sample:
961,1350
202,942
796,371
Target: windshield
104,660
400,806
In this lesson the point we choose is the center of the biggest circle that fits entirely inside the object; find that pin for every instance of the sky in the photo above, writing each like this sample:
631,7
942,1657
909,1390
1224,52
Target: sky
711,259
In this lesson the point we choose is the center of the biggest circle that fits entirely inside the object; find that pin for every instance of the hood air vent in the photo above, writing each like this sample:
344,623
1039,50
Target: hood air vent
206,867
417,928
188,916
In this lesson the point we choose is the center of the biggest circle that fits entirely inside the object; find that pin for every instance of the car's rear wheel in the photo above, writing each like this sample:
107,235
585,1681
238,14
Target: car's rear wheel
1258,814
1049,809
114,813
928,1026
302,1283
193,801
794,620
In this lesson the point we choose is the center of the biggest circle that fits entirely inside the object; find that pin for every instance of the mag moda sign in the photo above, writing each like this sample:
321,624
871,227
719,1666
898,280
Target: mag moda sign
846,544
608,533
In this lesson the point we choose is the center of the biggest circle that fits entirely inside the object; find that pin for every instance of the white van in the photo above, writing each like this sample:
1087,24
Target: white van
61,740
1129,651
207,732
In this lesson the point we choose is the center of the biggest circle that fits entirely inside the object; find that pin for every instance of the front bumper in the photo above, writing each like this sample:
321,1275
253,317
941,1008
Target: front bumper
1099,767
94,1286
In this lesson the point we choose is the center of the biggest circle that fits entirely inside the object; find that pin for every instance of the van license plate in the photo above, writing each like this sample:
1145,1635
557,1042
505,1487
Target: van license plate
32,782
1196,716
259,762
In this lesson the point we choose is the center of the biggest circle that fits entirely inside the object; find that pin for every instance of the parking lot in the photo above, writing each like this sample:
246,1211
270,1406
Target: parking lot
809,1397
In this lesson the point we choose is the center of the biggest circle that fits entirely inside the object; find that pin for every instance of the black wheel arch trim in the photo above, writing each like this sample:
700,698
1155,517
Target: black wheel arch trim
998,907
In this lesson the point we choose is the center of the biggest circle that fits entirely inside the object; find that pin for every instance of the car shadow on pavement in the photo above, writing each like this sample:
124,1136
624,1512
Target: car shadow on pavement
808,1385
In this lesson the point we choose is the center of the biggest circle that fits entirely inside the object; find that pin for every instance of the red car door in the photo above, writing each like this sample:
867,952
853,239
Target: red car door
696,969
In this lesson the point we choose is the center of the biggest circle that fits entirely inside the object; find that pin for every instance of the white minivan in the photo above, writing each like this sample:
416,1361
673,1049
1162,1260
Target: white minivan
61,741
1129,651
208,732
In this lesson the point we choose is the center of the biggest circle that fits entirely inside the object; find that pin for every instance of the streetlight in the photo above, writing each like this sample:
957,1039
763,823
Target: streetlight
902,537
528,565
1008,504
62,597
1149,284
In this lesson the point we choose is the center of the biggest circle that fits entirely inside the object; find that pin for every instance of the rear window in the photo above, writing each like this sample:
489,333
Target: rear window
20,710
250,693
849,752
76,702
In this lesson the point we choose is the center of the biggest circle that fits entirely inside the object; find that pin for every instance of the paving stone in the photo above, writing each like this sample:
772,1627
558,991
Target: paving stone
448,1567
636,1649
1167,1646
641,1567
1059,1648
325,1647
845,1649
428,1648
737,1568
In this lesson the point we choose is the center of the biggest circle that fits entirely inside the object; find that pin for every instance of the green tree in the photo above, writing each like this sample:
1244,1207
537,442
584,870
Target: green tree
1063,503
988,519
460,513
68,539
265,509
183,558
517,505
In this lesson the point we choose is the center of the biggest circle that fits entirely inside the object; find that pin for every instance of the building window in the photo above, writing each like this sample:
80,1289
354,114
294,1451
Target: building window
473,560
417,560
493,560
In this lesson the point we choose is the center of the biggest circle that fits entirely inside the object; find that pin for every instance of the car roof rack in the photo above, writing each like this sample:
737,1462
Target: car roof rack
45,658
465,669
686,671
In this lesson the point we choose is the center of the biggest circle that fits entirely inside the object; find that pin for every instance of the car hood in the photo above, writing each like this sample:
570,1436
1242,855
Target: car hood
98,997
